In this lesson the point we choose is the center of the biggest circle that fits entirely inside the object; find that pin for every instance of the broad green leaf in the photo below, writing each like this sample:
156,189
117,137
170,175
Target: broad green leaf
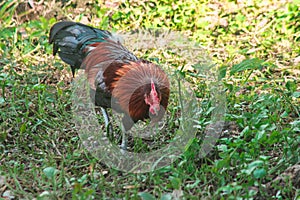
252,166
222,72
50,172
256,163
2,100
291,86
253,63
146,196
176,182
296,94
166,196
259,173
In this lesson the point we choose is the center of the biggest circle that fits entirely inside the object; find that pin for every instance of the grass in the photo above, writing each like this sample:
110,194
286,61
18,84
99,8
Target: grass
255,47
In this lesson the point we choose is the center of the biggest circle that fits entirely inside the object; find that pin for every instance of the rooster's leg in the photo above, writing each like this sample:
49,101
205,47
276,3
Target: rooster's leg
124,139
108,125
126,125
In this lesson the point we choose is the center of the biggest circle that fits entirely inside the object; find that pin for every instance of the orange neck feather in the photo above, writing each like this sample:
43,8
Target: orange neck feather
132,82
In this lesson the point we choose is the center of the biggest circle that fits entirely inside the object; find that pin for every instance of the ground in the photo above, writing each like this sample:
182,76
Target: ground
253,49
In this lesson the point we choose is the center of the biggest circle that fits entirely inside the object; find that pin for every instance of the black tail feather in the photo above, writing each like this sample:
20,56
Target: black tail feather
70,39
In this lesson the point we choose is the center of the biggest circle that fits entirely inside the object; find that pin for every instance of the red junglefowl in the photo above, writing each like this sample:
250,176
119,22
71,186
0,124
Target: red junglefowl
117,78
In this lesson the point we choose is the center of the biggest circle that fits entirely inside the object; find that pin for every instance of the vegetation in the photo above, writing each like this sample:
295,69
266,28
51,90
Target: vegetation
255,47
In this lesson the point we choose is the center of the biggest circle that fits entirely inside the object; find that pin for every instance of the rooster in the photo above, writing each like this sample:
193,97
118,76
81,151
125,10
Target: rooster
117,78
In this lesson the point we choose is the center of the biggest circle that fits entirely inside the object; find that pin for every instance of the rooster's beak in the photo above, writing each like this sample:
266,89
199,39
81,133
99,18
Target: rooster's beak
154,110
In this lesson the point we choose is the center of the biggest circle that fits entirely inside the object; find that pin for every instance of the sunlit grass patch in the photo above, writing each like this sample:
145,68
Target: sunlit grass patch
255,46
